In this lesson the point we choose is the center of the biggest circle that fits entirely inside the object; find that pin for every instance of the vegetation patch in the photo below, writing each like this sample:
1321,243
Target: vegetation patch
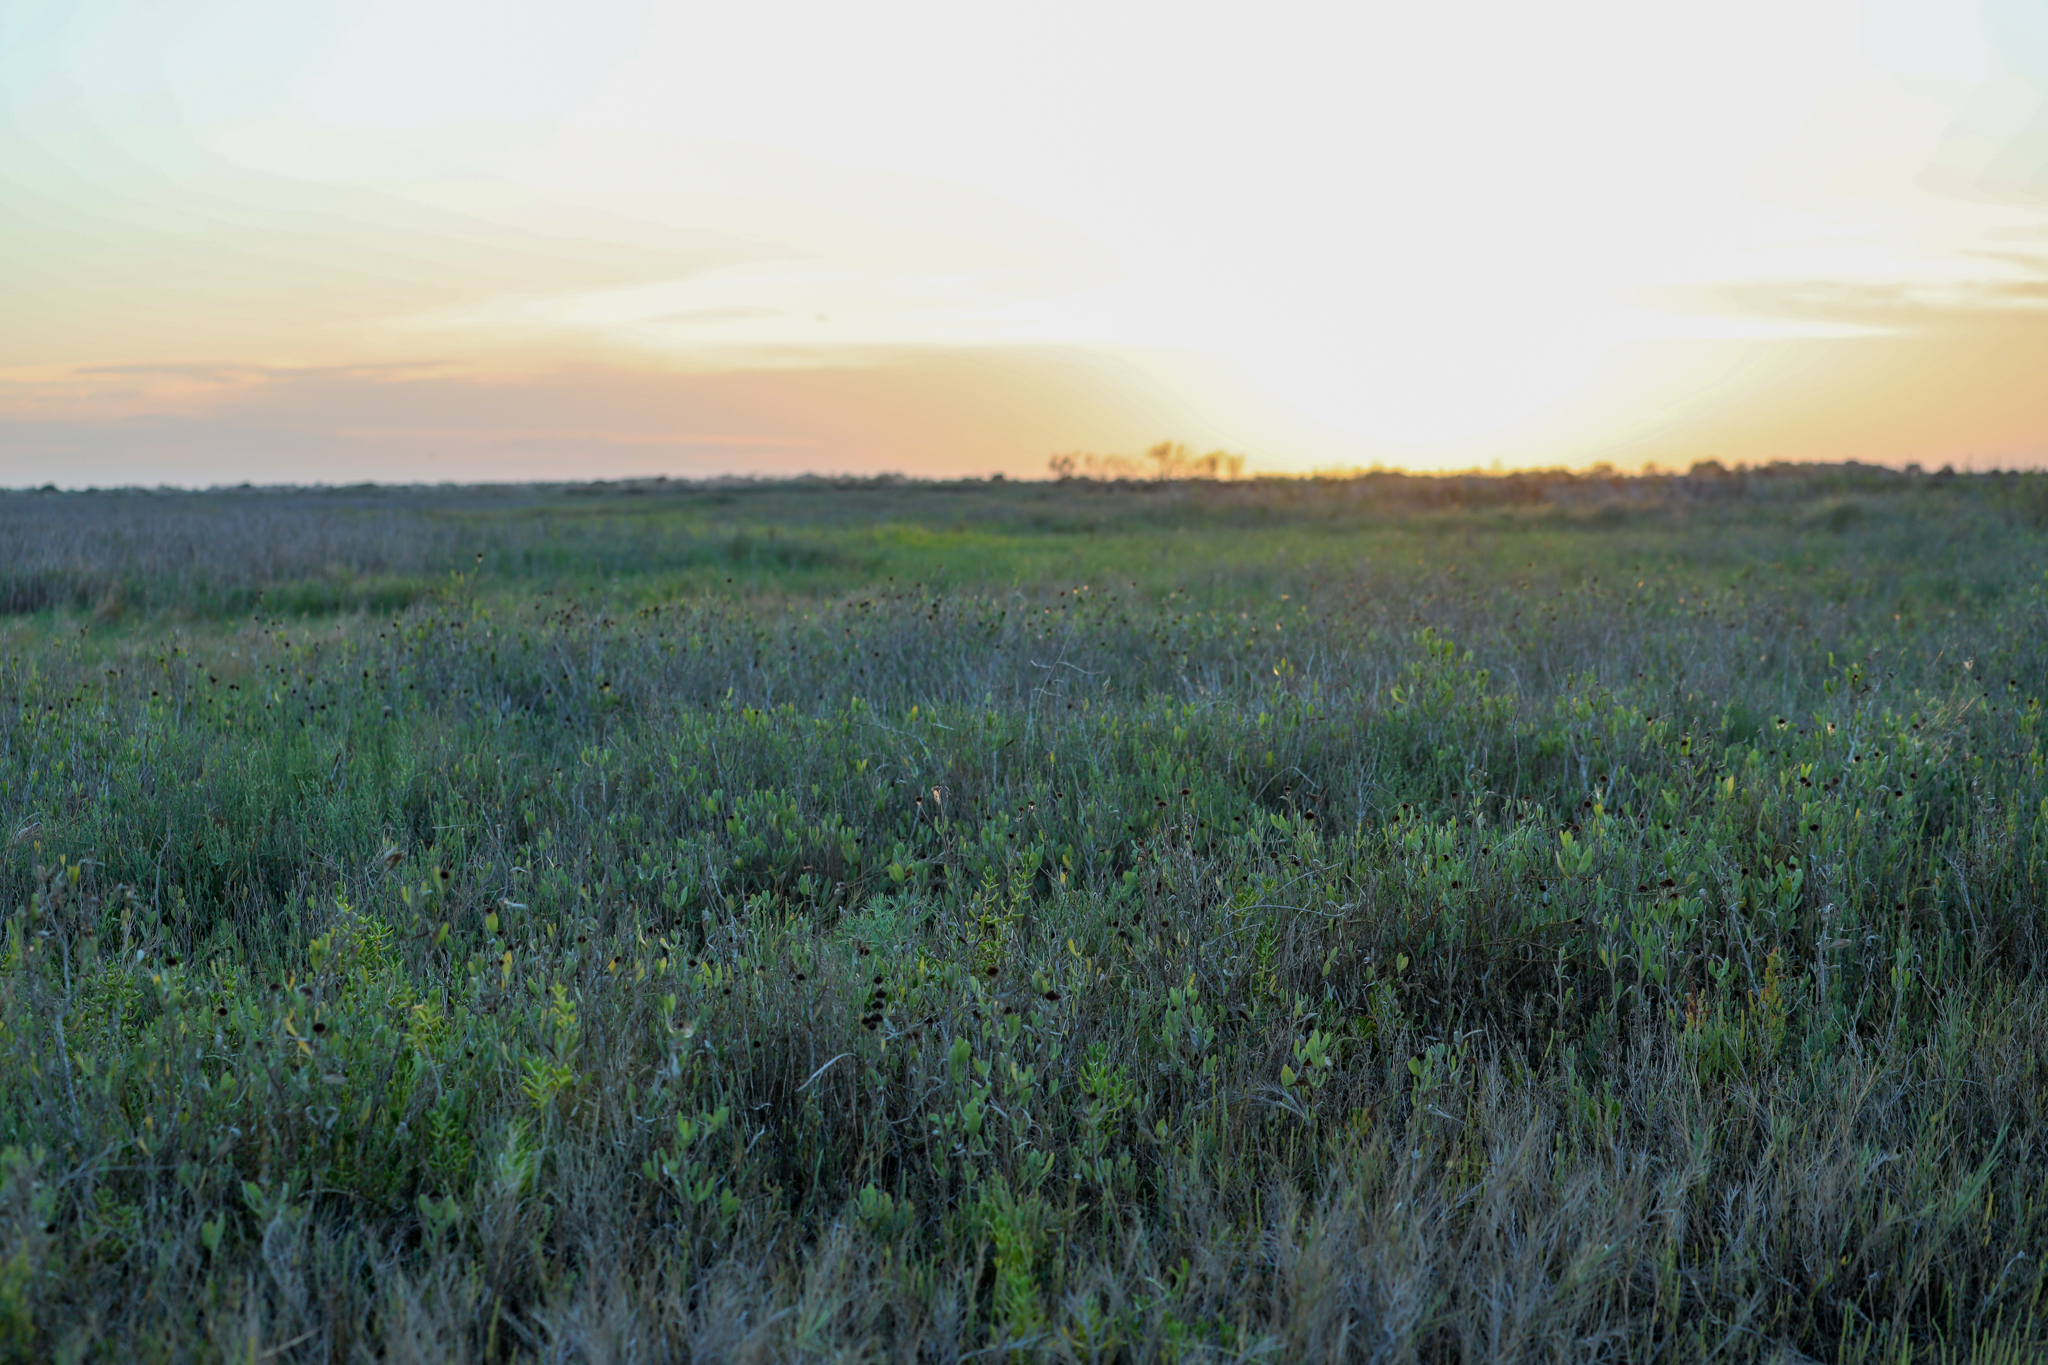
1561,917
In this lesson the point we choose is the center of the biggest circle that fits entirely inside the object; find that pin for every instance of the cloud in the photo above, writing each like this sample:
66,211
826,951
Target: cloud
279,373
175,246
693,316
930,411
1872,307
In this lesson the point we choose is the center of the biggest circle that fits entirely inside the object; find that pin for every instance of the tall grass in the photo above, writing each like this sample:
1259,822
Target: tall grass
1103,923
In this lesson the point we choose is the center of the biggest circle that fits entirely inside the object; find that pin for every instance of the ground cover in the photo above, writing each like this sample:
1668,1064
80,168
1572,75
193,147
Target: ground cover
1390,919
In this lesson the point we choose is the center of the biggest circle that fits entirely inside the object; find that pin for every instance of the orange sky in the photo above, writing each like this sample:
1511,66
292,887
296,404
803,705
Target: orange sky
440,240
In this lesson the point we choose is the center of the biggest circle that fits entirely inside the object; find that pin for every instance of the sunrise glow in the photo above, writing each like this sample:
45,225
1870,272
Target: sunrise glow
465,241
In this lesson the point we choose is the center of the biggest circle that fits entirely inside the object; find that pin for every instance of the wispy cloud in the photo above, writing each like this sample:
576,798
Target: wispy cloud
927,411
1871,307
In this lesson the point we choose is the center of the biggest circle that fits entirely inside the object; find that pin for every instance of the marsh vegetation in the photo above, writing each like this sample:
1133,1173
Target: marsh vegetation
1383,919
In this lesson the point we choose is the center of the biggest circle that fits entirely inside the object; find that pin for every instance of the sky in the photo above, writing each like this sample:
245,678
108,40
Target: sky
435,240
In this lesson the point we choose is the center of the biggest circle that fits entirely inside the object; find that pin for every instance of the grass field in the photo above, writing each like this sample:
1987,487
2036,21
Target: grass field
1541,918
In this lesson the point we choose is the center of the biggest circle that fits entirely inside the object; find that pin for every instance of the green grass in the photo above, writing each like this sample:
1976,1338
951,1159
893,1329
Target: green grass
1545,918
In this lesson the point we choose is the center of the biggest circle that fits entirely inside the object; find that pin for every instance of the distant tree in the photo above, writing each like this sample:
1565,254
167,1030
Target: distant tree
1164,462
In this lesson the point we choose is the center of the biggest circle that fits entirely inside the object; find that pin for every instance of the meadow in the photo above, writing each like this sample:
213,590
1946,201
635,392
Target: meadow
1543,917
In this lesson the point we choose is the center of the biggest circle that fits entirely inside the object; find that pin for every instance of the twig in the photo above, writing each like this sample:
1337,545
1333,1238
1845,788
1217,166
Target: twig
821,1071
